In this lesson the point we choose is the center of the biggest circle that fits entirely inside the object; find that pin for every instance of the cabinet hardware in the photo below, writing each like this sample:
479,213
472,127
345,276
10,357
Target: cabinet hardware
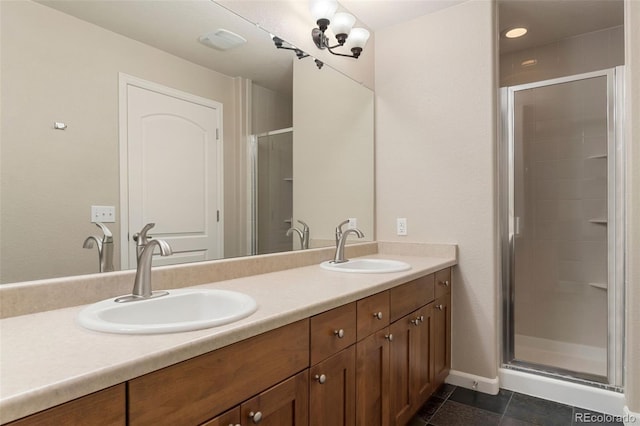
444,283
378,315
339,333
389,337
321,378
256,417
440,307
415,321
421,318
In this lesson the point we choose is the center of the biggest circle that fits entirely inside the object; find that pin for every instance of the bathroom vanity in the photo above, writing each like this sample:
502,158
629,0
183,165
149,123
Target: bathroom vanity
324,348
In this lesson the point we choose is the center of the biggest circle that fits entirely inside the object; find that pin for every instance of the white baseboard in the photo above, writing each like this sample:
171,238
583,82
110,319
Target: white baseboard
630,418
471,381
564,392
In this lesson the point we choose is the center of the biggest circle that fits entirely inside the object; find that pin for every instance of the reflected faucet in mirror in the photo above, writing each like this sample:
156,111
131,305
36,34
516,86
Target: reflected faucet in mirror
105,247
303,235
142,282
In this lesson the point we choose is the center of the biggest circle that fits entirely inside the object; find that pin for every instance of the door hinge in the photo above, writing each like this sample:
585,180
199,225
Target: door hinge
218,215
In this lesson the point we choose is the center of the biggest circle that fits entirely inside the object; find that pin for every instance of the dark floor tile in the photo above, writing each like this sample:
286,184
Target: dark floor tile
430,407
510,421
444,391
416,421
455,414
587,417
494,403
539,411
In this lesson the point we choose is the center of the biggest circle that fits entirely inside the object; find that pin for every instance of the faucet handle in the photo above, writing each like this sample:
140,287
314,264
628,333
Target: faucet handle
305,227
108,236
141,237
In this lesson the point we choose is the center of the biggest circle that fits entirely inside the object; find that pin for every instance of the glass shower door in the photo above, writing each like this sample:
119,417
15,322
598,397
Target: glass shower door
561,200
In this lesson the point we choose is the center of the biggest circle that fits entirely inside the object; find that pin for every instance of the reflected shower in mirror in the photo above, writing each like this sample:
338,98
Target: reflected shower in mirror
62,63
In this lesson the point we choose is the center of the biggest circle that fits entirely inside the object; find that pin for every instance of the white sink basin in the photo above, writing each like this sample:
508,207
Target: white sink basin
180,310
367,266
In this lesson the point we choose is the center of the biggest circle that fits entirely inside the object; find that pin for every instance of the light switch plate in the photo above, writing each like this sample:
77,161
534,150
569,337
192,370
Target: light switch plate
105,214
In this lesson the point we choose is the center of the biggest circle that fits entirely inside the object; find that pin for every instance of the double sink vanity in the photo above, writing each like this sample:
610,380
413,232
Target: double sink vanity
294,341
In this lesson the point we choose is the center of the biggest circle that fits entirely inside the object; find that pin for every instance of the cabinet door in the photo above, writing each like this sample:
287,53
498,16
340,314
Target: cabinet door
332,390
410,364
441,338
106,407
372,379
230,418
285,404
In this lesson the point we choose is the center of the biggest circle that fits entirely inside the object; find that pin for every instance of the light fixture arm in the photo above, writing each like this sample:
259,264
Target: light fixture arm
322,42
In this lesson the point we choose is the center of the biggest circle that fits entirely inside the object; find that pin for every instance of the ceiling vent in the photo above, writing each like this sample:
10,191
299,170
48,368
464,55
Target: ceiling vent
222,39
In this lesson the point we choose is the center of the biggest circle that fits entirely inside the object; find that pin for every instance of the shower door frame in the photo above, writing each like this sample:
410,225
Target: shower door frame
615,229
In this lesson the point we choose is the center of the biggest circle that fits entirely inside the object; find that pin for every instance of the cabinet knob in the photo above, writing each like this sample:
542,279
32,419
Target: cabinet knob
389,337
421,318
237,424
440,307
255,417
378,315
415,321
321,378
444,283
339,333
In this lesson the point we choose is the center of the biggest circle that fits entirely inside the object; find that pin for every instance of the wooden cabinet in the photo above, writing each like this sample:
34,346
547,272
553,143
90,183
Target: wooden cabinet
411,366
372,379
106,407
286,404
372,362
332,390
442,337
196,390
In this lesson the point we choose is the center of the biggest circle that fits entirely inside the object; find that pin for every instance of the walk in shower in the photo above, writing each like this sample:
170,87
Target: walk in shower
561,227
271,157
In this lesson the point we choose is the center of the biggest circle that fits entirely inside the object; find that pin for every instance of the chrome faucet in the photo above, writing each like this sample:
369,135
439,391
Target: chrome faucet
339,256
105,247
142,282
303,235
142,239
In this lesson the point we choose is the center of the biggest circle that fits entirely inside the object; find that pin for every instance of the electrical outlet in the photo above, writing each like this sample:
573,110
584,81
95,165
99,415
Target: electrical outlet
353,223
402,225
106,214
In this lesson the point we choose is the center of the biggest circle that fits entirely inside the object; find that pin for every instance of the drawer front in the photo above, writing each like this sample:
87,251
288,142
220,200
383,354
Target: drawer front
332,331
373,314
408,297
198,389
443,282
106,407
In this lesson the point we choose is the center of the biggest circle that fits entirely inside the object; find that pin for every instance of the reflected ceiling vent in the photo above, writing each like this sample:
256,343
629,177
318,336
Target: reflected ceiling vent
222,39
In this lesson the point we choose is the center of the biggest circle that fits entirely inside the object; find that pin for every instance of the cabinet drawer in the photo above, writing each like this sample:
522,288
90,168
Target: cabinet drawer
198,389
408,297
332,331
106,407
443,282
373,314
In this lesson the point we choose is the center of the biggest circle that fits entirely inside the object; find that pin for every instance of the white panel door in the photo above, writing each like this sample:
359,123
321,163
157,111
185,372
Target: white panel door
173,174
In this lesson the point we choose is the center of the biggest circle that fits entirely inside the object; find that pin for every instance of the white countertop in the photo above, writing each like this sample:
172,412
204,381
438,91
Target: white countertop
47,359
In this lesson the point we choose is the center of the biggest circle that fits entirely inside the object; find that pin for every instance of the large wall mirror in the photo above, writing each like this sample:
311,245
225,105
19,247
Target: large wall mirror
296,142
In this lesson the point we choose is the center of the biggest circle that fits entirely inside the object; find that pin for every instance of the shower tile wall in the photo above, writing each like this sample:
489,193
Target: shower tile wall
561,203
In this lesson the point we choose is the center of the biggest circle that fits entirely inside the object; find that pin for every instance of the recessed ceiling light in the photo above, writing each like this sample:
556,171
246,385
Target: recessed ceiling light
515,32
222,39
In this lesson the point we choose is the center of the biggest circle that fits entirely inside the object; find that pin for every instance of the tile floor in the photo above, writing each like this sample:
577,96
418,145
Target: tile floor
456,406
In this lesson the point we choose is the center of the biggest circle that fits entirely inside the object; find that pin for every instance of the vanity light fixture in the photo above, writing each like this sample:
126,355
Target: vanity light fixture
515,32
281,44
324,12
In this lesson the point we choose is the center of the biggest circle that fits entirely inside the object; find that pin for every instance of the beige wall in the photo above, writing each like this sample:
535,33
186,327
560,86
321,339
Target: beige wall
270,110
332,151
435,158
632,93
58,68
593,51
